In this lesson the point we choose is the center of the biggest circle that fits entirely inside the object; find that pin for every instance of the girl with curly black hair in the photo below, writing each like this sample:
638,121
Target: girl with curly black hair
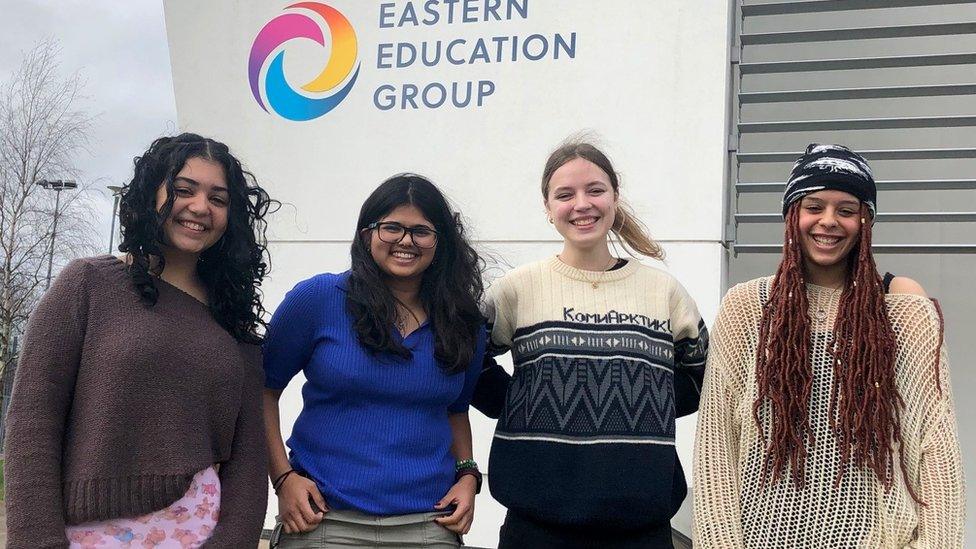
391,351
136,412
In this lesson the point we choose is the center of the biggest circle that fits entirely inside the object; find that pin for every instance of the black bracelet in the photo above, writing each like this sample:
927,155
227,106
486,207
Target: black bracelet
473,471
281,480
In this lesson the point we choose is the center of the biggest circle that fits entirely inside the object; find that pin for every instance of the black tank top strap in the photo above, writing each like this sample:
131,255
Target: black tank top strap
886,282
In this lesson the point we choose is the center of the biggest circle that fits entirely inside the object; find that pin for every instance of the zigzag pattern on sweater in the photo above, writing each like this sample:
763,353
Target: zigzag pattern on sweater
581,384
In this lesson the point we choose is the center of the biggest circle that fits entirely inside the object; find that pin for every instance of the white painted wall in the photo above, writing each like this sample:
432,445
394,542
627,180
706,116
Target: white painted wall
648,77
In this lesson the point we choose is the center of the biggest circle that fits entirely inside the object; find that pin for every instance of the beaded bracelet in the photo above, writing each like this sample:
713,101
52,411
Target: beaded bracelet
464,464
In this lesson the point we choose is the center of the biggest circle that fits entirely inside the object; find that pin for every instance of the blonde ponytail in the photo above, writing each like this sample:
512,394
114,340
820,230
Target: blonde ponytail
632,233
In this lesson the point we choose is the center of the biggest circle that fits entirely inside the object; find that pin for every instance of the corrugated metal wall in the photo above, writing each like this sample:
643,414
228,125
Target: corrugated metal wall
896,81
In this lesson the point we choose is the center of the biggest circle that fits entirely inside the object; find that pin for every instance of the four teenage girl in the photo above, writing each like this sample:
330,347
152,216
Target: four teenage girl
826,416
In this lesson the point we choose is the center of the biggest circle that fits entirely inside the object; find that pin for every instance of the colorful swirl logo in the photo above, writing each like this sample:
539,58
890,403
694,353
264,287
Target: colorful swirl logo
284,100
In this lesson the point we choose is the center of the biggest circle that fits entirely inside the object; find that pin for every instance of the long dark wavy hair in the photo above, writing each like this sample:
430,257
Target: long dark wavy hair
233,268
451,288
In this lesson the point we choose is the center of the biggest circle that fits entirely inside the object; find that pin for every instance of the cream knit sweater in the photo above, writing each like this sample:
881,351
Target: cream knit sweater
735,509
604,362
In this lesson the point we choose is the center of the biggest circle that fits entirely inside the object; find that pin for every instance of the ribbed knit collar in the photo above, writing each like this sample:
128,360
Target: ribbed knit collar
599,277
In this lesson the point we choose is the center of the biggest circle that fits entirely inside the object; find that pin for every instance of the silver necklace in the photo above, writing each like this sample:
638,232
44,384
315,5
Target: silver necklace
400,320
820,313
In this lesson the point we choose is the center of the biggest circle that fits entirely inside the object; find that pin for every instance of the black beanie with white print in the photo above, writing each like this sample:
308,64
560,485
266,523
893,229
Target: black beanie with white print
831,167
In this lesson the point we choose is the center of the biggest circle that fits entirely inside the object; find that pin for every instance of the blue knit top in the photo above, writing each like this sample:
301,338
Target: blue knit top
373,431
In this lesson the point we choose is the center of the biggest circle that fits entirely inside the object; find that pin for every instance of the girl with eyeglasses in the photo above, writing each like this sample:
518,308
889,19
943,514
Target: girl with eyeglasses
391,351
607,353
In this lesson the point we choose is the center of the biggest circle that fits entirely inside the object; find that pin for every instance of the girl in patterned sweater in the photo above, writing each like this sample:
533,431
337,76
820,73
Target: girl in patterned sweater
607,352
826,417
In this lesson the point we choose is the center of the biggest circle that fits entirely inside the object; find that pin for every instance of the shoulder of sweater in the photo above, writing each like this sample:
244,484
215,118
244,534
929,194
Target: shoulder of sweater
748,289
528,270
919,330
912,312
741,302
93,267
322,285
86,273
653,273
913,302
518,276
330,279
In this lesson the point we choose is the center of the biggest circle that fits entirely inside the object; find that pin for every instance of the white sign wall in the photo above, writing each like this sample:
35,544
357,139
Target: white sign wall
473,94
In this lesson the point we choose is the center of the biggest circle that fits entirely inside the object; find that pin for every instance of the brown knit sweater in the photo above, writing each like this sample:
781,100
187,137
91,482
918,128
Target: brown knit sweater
116,405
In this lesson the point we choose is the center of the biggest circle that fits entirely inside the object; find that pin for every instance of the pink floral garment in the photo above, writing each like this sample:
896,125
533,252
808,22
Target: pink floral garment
185,524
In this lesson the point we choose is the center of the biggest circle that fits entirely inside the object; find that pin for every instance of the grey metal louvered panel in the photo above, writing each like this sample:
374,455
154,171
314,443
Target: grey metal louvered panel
891,154
858,33
900,217
856,93
890,185
818,6
858,124
852,63
877,248
927,160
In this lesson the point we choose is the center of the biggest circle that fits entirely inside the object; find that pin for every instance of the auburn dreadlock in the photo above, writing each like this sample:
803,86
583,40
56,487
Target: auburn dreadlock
865,406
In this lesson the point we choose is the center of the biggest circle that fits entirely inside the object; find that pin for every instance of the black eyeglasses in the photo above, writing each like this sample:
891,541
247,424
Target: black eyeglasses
392,232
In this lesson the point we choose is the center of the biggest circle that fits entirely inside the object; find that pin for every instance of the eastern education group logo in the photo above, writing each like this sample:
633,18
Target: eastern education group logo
297,23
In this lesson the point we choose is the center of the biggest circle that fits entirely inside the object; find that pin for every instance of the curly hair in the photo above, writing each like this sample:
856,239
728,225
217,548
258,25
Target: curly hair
865,406
451,288
233,268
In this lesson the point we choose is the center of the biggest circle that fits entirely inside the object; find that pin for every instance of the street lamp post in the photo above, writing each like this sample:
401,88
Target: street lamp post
57,186
116,193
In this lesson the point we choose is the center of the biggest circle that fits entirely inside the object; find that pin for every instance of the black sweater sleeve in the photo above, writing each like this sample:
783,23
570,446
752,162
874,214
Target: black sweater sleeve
690,356
489,394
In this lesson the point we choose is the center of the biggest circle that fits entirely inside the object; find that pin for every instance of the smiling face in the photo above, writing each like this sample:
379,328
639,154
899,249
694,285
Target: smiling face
582,203
199,215
829,226
402,260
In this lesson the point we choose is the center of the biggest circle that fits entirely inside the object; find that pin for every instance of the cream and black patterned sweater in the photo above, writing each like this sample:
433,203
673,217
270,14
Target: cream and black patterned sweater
604,363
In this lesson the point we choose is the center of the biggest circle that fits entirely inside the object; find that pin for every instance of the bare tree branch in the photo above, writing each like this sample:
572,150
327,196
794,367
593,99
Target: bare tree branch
42,132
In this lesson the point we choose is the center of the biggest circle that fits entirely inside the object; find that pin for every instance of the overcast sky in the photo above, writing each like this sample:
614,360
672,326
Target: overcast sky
120,50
